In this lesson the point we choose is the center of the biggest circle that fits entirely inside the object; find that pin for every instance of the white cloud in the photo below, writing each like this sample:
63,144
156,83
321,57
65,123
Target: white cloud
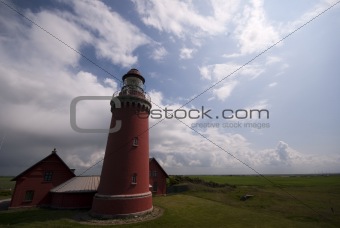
166,16
217,72
186,53
37,83
252,70
283,157
113,84
272,84
115,38
272,59
75,160
225,75
181,150
254,32
159,53
283,152
48,47
205,72
180,157
93,23
261,104
315,10
156,98
234,55
223,91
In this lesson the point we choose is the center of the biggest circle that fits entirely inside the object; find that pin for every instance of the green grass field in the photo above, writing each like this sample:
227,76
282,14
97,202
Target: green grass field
300,201
288,180
6,185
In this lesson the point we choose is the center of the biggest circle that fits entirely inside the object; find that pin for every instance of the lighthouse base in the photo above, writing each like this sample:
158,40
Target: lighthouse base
116,206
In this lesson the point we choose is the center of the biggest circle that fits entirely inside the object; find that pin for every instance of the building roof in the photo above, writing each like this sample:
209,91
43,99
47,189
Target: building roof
78,184
160,167
53,154
87,183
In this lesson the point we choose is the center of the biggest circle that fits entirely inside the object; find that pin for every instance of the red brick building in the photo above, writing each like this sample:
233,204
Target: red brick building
51,183
157,177
33,186
75,193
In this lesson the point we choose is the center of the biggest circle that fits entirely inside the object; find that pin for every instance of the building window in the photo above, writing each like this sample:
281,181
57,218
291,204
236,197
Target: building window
153,173
135,141
48,176
154,186
134,179
29,196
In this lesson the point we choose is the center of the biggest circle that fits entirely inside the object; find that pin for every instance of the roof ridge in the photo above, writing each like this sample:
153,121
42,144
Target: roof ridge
40,161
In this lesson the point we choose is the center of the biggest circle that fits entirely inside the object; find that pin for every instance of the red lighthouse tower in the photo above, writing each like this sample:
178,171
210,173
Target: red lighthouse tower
124,184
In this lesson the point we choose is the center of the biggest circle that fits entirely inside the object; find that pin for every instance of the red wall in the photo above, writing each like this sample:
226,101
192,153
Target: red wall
160,178
72,200
33,179
122,160
121,206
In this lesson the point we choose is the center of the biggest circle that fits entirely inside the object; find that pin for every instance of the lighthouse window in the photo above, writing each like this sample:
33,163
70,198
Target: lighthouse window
135,141
134,179
133,82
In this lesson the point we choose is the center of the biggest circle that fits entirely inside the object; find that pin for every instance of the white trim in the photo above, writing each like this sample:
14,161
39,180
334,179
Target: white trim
124,197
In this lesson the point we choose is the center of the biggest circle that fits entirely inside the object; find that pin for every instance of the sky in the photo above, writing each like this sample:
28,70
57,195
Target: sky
222,56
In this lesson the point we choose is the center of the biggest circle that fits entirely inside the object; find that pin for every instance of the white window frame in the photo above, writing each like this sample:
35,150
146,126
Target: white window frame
134,179
135,141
